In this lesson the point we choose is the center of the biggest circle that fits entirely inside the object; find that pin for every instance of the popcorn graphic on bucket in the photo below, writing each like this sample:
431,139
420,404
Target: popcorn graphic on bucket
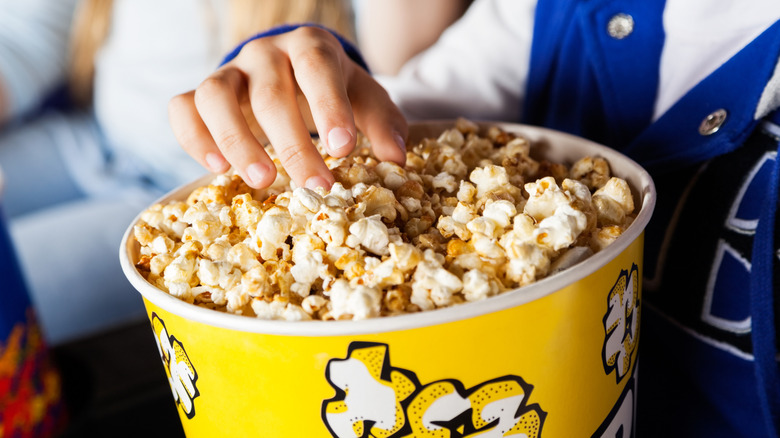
621,323
181,373
375,399
555,358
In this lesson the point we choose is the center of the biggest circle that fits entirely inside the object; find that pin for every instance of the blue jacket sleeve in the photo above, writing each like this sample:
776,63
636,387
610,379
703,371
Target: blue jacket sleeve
350,48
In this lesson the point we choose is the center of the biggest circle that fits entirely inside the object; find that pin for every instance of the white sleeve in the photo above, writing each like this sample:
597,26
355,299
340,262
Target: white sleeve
34,36
477,69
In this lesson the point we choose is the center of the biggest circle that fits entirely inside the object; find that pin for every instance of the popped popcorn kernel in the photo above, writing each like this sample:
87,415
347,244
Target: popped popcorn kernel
592,171
272,231
477,285
313,304
359,302
613,202
369,233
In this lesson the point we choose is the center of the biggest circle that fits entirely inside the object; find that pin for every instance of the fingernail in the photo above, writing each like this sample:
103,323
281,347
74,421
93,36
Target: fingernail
317,181
400,142
338,138
215,162
256,173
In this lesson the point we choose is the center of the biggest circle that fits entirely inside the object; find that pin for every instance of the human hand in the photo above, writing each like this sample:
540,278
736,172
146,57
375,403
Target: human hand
269,76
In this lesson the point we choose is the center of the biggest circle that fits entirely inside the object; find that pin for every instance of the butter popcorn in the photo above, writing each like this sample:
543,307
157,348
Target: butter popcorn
470,216
477,285
359,302
544,197
272,231
304,204
371,234
613,202
488,179
433,285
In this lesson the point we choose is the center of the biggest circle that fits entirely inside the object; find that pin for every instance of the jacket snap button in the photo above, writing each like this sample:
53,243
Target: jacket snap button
620,26
712,122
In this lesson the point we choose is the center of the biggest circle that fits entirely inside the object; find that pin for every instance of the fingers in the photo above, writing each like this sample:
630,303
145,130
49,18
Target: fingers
269,73
336,88
322,70
216,100
192,134
274,101
378,118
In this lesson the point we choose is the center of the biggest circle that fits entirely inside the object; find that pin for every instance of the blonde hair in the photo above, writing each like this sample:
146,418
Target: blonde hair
92,23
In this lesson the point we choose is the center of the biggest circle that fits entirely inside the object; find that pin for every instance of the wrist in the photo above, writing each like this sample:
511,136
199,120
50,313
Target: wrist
350,49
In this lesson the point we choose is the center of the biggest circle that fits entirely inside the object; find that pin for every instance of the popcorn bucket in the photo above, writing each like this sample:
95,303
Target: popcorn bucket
30,387
557,358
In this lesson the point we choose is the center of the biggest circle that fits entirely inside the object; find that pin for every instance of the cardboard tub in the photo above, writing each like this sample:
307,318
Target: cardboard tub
557,358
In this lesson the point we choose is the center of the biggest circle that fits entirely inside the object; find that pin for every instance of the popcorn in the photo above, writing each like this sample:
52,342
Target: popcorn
313,304
212,273
467,192
308,267
483,226
470,216
613,202
272,231
477,285
242,257
397,301
405,256
593,172
338,197
544,197
488,179
359,302
500,212
246,211
205,224
159,262
330,224
393,176
561,229
181,268
445,181
278,310
369,233
603,237
527,261
255,282
378,201
452,137
433,285
303,205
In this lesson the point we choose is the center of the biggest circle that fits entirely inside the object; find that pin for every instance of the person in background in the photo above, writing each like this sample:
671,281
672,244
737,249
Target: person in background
80,165
689,89
390,32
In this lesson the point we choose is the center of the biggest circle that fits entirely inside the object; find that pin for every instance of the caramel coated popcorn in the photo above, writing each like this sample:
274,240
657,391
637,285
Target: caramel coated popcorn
471,215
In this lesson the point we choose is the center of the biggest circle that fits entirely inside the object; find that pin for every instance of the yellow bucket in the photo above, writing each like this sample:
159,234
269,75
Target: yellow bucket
557,358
